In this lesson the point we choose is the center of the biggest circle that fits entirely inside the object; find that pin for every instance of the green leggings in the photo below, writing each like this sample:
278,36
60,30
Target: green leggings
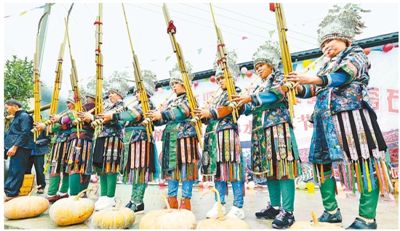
108,183
55,183
75,185
138,191
284,189
368,200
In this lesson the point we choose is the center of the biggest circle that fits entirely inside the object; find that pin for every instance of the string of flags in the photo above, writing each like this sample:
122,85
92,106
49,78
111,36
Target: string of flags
22,13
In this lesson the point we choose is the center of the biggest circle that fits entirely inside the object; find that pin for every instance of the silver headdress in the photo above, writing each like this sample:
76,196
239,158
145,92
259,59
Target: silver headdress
231,59
117,85
176,75
341,23
268,53
149,79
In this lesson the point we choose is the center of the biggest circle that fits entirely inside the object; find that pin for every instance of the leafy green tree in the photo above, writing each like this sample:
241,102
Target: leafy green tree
18,80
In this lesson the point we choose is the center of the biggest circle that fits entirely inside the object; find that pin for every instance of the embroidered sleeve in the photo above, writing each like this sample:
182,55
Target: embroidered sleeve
264,98
308,91
354,64
127,116
177,113
247,109
336,79
270,95
221,112
223,109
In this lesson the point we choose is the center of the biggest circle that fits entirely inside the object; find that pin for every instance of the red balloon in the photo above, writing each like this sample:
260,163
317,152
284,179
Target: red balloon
387,47
212,79
367,51
249,73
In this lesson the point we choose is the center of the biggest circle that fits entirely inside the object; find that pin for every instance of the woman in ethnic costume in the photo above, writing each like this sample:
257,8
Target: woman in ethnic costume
222,160
108,147
180,154
274,149
346,131
142,159
79,151
58,155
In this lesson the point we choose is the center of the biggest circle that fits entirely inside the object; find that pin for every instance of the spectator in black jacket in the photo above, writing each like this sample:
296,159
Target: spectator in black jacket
18,145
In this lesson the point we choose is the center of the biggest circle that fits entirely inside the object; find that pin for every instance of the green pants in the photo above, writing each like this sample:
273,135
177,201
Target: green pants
55,183
138,191
328,189
75,185
108,183
368,200
284,189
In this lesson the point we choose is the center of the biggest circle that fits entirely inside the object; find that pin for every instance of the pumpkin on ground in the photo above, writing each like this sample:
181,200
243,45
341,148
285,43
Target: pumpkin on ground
222,222
25,207
113,218
71,210
168,219
314,224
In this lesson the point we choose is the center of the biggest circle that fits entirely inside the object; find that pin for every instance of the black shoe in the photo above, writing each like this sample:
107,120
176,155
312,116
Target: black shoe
361,224
283,220
331,218
267,213
134,207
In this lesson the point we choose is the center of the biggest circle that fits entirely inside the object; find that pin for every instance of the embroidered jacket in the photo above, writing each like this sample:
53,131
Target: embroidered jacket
62,130
221,114
345,79
176,117
86,132
268,103
214,155
133,118
114,127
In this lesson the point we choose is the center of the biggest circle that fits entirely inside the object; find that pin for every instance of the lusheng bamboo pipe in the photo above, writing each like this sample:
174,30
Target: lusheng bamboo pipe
222,61
99,108
36,81
289,87
171,30
58,77
74,78
139,84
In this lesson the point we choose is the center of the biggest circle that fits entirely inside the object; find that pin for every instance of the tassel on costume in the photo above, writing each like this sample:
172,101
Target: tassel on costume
378,175
369,186
321,173
358,176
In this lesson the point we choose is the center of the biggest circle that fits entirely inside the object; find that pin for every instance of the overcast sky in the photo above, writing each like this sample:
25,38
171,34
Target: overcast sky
244,26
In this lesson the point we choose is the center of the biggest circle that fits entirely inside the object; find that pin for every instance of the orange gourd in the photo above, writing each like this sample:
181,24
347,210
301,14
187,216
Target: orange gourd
72,210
